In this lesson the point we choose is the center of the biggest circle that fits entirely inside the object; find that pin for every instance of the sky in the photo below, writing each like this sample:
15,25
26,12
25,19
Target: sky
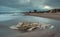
28,5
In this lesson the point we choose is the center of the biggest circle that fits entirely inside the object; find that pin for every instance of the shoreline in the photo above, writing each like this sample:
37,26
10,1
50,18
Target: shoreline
55,16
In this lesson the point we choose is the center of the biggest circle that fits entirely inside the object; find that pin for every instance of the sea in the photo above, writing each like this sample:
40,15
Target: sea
8,19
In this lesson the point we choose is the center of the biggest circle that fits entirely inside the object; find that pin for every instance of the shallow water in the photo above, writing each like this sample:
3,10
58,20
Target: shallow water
7,20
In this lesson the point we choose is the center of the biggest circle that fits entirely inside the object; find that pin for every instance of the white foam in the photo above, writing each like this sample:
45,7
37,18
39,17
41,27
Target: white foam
52,27
13,27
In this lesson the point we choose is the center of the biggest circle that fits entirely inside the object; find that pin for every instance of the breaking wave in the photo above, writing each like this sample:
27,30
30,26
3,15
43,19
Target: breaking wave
9,16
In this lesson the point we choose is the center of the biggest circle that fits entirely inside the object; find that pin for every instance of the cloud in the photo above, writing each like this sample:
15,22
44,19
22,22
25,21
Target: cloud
53,3
24,1
8,9
27,5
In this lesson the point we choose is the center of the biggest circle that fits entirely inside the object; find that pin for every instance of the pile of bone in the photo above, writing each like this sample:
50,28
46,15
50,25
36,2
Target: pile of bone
31,26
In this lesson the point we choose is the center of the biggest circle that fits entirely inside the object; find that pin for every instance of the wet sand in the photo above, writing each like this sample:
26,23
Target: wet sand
36,33
7,32
55,16
50,33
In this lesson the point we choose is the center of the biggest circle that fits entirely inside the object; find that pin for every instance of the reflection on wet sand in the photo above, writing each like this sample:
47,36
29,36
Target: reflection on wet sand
7,32
41,30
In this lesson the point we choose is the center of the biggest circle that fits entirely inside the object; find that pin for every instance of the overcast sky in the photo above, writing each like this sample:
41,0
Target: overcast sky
26,5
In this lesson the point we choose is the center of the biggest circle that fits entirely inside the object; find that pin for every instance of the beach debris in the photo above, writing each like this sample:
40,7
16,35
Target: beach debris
23,26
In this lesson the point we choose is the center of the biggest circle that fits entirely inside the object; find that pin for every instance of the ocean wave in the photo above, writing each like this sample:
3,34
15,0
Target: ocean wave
4,17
